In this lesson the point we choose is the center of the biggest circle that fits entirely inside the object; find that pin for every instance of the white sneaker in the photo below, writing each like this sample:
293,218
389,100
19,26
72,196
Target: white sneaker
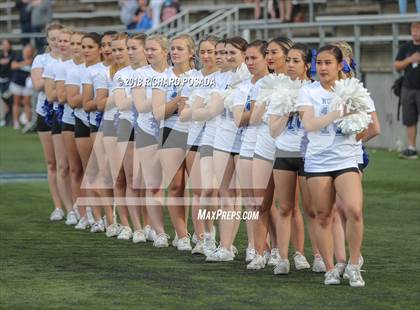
125,233
184,244
355,276
283,267
345,274
274,257
340,268
220,255
175,241
257,263
318,265
209,244
57,215
97,227
250,254
234,250
90,217
300,261
332,277
199,247
194,238
113,230
139,236
71,218
83,224
161,241
76,209
150,233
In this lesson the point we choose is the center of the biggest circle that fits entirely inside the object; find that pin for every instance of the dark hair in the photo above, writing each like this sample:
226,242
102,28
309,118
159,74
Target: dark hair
336,51
238,42
306,54
284,43
94,36
261,45
109,33
221,41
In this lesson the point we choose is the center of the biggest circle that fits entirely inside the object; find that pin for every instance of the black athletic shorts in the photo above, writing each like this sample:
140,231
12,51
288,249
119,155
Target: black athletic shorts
41,125
332,174
80,129
170,138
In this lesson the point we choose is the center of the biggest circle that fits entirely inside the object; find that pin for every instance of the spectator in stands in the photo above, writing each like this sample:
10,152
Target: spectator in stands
21,85
403,6
143,16
408,59
7,55
41,15
128,12
169,9
156,6
285,7
24,18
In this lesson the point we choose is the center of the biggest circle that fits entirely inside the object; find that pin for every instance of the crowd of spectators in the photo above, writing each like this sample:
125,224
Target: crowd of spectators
143,15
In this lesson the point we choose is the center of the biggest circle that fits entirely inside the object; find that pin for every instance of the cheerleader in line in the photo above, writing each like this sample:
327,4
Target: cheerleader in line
242,110
44,130
288,166
206,48
93,91
156,48
262,163
116,138
167,104
227,143
68,120
331,165
373,130
125,131
74,93
53,108
201,113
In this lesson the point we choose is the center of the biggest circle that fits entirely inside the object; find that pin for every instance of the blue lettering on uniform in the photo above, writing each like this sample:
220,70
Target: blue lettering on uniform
248,104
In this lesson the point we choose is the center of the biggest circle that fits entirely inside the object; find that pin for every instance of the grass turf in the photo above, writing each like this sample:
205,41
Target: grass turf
50,266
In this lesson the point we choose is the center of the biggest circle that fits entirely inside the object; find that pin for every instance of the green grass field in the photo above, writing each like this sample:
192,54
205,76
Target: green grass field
50,266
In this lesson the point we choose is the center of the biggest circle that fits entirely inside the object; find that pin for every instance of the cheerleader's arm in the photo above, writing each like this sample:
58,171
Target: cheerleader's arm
372,131
277,124
38,81
215,105
312,123
88,101
50,91
199,110
122,101
101,98
61,91
143,105
74,97
257,114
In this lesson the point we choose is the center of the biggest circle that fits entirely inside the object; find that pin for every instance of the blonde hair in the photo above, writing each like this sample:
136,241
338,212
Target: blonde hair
53,26
347,52
190,44
161,40
115,67
141,37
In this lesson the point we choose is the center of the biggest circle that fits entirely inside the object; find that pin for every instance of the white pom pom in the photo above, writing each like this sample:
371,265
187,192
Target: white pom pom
283,97
350,95
240,75
355,123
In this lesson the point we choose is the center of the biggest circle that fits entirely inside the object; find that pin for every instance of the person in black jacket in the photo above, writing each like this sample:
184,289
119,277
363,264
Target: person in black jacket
7,55
21,84
408,59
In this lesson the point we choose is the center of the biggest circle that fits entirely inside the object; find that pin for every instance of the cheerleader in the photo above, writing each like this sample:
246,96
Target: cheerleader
201,113
192,161
167,104
115,139
373,130
227,143
288,166
74,93
331,165
53,116
242,111
43,128
68,120
156,48
125,131
94,91
262,163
